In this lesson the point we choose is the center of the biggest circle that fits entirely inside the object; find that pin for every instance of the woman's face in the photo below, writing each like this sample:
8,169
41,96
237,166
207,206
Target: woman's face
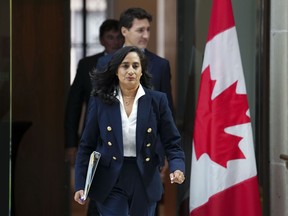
130,71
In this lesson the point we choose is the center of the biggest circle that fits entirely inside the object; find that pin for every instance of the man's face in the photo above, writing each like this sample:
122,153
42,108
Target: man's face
112,41
138,35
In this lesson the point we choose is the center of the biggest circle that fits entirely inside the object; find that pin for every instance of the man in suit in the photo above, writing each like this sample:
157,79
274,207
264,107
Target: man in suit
79,94
134,24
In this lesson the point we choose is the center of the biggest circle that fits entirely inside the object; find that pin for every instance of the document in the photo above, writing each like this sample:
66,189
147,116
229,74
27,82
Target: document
92,166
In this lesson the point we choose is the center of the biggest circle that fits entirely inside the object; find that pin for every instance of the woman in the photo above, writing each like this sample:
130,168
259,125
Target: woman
124,123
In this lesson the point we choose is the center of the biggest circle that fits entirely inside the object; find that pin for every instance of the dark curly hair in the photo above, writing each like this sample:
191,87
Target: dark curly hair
105,82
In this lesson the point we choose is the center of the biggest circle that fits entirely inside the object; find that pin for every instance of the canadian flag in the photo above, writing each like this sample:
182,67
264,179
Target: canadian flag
223,168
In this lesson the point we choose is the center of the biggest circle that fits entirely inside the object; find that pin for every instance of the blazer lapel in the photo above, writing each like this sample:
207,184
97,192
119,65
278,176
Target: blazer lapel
144,105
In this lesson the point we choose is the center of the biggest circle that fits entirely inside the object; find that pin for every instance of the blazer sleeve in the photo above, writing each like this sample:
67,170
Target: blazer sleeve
87,144
170,137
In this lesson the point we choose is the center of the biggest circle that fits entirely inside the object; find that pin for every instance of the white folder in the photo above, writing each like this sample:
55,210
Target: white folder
92,166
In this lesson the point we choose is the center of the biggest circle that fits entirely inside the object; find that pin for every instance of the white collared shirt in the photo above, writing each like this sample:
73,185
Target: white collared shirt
129,123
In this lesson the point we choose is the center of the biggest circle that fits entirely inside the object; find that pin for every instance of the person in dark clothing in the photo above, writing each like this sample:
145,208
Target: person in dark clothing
125,121
134,24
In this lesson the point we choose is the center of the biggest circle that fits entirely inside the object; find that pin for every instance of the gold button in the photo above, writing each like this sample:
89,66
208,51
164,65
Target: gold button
114,158
149,130
148,144
109,128
147,159
109,143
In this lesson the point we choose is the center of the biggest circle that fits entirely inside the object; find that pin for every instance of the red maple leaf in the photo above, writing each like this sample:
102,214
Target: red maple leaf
213,116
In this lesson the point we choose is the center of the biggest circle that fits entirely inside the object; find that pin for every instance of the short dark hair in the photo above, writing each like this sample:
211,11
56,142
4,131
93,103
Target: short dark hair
106,81
127,17
108,25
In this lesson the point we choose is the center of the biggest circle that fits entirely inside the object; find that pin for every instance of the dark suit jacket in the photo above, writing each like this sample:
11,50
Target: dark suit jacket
79,93
103,133
159,68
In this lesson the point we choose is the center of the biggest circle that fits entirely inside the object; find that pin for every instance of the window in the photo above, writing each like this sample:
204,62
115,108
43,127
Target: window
86,18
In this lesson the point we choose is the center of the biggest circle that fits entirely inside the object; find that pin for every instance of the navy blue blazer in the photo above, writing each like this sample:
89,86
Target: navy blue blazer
79,93
159,68
103,133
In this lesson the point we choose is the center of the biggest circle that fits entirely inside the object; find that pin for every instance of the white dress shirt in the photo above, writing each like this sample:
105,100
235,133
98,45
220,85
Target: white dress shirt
129,123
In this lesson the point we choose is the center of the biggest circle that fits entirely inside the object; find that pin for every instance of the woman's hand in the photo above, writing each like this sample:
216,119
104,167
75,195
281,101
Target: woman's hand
177,177
77,197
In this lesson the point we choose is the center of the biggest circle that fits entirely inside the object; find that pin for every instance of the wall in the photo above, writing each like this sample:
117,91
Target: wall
5,111
278,107
40,62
